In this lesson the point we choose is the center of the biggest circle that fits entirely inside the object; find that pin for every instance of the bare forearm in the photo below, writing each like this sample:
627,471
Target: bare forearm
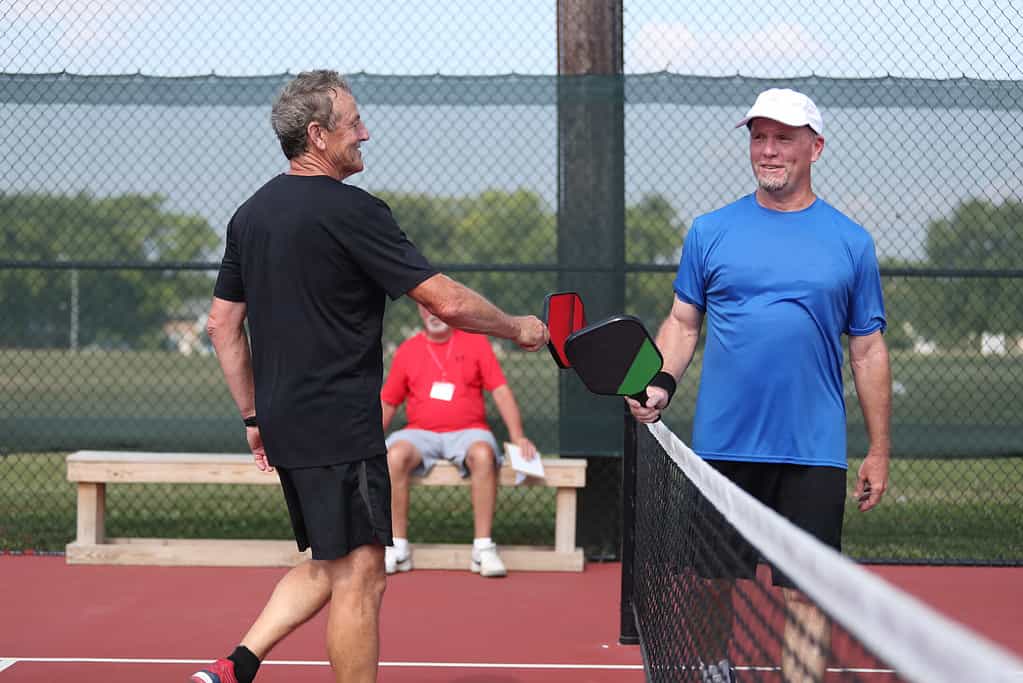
470,311
872,375
508,407
388,411
465,309
677,342
232,347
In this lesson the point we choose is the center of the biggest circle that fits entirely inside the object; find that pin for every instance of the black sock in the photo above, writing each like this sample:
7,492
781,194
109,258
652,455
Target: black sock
245,664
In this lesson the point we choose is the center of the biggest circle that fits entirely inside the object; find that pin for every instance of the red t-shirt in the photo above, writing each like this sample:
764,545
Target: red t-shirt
464,360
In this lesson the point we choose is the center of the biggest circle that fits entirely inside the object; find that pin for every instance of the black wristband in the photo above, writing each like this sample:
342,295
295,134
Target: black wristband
250,421
664,380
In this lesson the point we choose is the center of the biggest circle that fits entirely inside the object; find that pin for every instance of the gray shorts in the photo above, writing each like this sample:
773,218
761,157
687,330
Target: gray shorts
447,445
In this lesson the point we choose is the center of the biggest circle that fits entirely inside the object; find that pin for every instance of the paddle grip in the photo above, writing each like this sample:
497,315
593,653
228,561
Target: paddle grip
640,396
663,380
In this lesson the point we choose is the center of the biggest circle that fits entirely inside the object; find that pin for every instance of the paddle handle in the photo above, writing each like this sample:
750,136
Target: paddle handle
641,397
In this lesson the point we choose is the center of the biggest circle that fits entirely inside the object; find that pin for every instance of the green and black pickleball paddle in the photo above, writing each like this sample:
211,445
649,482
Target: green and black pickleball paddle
614,357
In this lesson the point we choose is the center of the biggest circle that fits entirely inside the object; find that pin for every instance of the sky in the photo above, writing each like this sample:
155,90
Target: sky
854,38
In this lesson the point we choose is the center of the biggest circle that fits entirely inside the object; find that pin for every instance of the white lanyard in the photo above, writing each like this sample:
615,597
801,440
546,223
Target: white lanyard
447,355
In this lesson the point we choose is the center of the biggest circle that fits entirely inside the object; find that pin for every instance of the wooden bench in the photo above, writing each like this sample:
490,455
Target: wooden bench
93,470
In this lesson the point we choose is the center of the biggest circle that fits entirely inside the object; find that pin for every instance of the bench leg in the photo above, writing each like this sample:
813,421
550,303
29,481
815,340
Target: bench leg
564,520
92,507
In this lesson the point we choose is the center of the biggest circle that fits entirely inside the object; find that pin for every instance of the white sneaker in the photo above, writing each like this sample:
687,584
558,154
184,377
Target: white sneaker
393,563
486,562
717,673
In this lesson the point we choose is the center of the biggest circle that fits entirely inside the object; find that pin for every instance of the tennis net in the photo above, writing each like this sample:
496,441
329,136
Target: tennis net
690,601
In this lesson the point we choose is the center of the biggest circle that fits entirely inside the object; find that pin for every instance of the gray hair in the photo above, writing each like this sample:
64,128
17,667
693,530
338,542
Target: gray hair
305,99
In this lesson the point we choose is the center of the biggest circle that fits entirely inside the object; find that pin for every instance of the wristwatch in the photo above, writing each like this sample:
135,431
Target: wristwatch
250,421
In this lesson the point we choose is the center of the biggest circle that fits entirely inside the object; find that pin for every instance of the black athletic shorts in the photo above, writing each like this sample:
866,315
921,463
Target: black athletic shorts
337,508
812,498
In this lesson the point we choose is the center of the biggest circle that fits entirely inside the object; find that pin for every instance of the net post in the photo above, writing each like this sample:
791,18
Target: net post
628,634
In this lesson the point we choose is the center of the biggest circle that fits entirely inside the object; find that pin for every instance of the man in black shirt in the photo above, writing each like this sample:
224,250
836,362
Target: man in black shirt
309,261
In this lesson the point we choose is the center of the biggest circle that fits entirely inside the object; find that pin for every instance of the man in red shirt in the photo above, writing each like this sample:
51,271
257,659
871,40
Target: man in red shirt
442,372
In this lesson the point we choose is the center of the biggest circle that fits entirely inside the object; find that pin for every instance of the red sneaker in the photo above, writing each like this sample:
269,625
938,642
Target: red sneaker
220,671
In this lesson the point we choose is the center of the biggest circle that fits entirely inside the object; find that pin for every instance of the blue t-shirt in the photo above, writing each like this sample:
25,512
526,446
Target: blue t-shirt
778,290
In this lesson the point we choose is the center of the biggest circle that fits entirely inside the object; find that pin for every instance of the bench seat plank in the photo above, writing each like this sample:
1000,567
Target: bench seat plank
231,468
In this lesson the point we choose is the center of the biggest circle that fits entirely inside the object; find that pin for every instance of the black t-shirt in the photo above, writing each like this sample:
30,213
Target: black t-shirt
313,258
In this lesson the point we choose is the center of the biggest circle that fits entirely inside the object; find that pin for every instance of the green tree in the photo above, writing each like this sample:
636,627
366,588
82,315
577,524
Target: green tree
428,220
118,308
906,302
979,235
514,230
465,235
654,235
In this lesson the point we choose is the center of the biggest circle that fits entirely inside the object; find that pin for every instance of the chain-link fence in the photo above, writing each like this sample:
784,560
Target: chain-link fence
115,190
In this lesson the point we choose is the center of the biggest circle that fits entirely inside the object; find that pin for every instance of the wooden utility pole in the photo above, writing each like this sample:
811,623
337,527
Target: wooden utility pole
591,237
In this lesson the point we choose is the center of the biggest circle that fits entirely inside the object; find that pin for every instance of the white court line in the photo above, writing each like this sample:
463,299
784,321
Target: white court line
426,665
8,662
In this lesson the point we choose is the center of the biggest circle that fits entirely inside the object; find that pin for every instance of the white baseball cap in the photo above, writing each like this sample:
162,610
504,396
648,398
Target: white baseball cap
785,106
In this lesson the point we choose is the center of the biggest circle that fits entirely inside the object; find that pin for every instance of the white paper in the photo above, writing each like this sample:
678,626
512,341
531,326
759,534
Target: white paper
523,467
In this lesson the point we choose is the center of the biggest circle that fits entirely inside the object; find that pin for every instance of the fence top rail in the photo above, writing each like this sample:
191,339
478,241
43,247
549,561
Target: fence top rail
213,266
512,90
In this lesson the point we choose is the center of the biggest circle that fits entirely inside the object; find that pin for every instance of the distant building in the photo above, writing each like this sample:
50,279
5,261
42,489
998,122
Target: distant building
187,336
992,344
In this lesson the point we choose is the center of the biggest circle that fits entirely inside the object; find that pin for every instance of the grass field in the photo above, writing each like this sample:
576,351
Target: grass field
954,405
942,510
924,516
957,491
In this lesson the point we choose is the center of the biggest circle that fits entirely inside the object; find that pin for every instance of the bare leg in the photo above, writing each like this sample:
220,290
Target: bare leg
353,622
482,464
402,458
807,640
298,596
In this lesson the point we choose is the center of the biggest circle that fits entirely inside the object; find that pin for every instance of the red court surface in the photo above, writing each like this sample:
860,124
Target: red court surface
154,624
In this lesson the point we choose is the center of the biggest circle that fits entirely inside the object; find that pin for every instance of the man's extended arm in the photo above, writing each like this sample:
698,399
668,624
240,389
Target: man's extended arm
868,356
466,309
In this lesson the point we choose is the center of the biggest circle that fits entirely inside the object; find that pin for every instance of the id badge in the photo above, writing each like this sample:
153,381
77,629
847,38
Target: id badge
442,391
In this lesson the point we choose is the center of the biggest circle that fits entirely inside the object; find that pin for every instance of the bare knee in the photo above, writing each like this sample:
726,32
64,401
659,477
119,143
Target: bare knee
402,458
358,576
481,460
796,598
802,608
313,571
373,585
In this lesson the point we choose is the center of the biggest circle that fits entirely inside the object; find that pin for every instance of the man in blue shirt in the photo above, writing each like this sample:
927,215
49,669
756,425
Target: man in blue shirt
780,275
